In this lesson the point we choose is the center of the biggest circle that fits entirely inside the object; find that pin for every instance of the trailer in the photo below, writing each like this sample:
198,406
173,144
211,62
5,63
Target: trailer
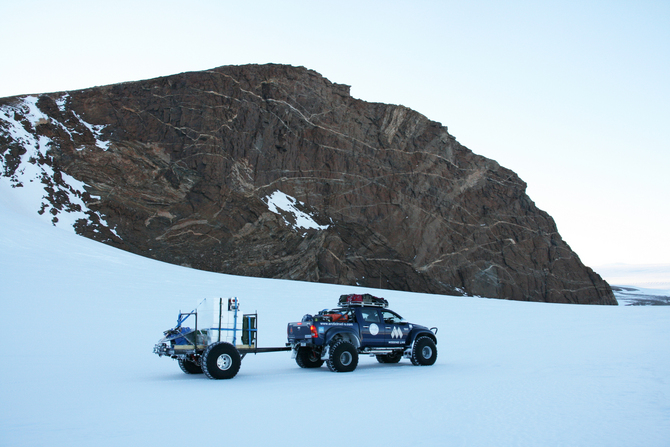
211,345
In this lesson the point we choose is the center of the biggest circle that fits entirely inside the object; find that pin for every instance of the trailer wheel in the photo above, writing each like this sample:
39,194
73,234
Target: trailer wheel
390,358
221,361
424,352
308,358
343,357
189,367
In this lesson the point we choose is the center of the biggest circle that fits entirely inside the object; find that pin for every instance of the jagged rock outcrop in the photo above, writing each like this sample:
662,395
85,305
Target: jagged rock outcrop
274,171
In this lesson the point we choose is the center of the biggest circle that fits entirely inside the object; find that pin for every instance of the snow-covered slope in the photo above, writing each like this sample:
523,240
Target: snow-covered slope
81,318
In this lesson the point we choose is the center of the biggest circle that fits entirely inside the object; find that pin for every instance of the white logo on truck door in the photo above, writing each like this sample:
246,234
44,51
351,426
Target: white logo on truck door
396,332
374,329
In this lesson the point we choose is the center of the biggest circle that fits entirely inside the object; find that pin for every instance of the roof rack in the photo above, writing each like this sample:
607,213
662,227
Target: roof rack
362,300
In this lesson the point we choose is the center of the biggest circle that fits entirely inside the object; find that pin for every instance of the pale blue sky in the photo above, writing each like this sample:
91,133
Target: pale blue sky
573,95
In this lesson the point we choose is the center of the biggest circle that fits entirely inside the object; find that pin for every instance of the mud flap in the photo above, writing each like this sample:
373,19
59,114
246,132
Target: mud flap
326,352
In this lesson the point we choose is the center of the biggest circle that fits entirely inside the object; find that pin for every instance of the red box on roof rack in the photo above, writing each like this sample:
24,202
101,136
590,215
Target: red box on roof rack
362,300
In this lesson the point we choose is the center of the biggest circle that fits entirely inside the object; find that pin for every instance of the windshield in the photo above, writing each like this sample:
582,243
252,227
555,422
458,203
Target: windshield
392,317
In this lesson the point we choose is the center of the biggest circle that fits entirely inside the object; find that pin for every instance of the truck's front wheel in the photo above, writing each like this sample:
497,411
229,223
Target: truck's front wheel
221,361
308,358
343,357
424,352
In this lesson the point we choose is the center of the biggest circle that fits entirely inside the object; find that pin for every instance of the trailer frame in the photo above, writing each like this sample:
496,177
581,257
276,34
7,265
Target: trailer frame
219,359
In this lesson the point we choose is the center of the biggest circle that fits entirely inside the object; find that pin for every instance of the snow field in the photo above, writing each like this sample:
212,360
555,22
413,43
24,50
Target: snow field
81,319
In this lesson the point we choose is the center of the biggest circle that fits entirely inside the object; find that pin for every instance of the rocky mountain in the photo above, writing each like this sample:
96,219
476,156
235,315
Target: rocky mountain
273,171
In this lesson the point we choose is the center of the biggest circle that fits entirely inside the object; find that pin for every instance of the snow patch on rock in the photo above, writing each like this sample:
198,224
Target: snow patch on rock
287,207
55,196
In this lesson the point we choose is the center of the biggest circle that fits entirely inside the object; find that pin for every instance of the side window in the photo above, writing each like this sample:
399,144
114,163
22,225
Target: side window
391,317
370,315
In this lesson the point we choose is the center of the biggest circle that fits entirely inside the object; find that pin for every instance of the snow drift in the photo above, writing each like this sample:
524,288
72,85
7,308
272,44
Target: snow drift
82,318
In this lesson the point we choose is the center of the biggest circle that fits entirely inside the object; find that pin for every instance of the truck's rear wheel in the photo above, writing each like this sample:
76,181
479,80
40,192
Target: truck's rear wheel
308,358
343,357
221,361
189,367
394,357
424,352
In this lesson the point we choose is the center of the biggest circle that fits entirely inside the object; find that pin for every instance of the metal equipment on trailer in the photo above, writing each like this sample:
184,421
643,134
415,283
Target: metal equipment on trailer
211,347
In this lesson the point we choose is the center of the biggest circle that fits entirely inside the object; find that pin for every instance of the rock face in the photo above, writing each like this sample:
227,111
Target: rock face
274,171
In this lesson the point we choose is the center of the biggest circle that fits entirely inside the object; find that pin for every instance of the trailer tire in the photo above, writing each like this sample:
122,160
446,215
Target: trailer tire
189,367
343,356
390,358
308,358
221,361
424,352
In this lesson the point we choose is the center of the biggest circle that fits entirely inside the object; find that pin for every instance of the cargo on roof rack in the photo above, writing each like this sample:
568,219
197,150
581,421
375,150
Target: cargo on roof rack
362,300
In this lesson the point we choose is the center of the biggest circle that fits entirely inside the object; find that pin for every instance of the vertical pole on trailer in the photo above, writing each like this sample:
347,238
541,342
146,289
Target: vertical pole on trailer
220,312
235,306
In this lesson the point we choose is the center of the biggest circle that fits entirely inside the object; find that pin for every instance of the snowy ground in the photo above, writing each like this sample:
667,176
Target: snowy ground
81,320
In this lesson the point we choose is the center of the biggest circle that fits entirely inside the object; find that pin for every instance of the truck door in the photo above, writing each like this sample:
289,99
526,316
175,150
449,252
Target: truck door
372,327
396,329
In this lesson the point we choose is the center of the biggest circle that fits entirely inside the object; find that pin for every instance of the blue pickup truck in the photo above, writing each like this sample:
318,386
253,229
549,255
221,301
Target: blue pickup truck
361,324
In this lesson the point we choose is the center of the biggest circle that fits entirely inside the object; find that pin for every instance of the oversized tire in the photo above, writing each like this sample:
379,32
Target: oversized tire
394,357
343,356
308,358
221,361
424,352
190,367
